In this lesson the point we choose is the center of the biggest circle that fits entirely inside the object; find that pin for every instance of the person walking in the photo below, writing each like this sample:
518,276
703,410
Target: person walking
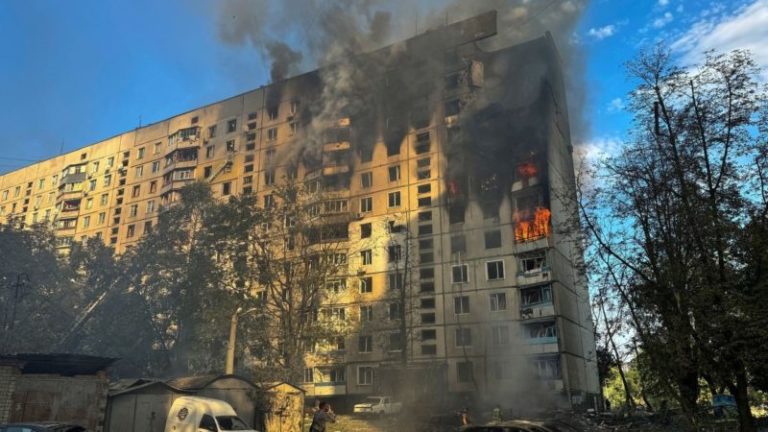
323,415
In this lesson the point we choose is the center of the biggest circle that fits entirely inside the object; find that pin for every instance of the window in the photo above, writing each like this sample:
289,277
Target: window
107,180
427,273
247,179
541,330
427,303
533,263
366,204
459,273
394,311
394,173
134,210
211,131
547,367
425,229
424,202
152,186
425,216
272,134
366,257
86,221
270,156
273,112
130,231
92,185
428,349
207,171
136,191
150,206
294,107
269,201
102,217
140,153
209,151
230,146
424,189
207,423
366,180
426,257
232,126
427,286
366,313
395,341
396,281
535,295
452,107
269,177
428,318
249,168
309,375
494,270
425,244
500,335
498,302
338,375
461,305
88,203
366,285
364,375
365,344
492,239
463,337
336,285
458,244
365,230
394,253
41,183
226,188
394,199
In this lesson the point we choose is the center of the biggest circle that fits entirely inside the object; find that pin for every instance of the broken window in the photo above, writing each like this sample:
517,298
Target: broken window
543,331
534,262
232,125
492,239
495,270
458,244
365,230
536,295
456,213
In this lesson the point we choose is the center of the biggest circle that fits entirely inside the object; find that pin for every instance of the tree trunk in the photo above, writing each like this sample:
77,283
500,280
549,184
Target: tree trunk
746,421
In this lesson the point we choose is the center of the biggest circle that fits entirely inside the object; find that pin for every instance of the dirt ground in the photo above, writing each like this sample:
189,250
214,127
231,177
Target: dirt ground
348,423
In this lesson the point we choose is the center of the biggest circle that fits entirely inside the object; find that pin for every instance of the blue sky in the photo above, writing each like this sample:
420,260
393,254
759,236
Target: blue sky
72,73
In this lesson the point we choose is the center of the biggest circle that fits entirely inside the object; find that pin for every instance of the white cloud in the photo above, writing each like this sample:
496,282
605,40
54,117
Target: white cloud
602,32
615,105
745,28
663,2
597,148
663,20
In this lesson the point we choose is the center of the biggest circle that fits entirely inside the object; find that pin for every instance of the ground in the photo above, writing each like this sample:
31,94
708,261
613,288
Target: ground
348,423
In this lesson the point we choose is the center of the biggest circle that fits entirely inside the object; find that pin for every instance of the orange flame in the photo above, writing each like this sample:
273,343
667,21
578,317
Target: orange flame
539,226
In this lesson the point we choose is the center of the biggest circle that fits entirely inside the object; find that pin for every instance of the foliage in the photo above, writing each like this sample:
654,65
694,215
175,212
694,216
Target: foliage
669,215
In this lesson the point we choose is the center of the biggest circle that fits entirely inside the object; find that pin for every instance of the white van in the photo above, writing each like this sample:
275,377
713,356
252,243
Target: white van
201,414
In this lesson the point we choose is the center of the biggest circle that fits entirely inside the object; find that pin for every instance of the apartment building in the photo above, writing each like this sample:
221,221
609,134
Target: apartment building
458,178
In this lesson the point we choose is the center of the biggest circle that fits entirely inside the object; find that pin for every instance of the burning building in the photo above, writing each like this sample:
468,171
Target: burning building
453,164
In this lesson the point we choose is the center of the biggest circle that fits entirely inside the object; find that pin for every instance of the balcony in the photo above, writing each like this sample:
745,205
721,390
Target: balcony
335,169
336,146
535,311
185,138
325,388
542,275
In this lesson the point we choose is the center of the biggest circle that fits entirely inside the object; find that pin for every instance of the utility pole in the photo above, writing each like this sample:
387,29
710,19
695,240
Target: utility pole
22,279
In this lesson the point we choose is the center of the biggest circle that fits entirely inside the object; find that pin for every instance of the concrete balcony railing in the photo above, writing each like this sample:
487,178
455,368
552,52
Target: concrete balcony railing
535,277
179,164
176,184
538,310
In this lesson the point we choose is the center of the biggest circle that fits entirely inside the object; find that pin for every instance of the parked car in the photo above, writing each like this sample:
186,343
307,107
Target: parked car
378,405
41,427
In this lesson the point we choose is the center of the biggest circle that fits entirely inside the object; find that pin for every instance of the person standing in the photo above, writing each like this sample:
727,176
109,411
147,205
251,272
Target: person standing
496,414
323,415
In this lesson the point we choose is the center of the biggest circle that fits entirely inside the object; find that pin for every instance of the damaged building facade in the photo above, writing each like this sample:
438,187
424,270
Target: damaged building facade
453,166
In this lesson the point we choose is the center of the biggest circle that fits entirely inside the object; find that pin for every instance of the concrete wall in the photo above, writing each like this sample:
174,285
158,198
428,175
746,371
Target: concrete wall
141,411
79,399
8,377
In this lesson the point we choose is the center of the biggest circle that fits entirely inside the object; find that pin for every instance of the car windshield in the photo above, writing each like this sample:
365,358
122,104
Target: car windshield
231,423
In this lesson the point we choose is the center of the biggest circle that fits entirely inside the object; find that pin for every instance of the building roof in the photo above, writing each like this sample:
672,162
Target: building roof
199,382
60,364
132,385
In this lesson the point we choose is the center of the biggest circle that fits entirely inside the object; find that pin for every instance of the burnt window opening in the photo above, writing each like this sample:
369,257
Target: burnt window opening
393,145
452,107
456,213
490,210
533,262
492,239
365,230
451,81
273,112
366,153
458,244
